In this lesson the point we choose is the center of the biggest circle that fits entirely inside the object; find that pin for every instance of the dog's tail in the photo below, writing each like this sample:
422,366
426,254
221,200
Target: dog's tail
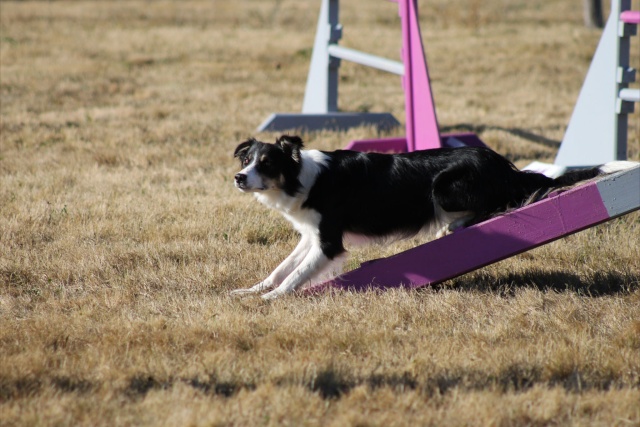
573,177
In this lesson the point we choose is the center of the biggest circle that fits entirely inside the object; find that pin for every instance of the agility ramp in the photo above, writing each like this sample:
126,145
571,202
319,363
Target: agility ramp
552,218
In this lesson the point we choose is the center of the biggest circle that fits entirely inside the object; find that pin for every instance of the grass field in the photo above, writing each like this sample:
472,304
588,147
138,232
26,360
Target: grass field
121,234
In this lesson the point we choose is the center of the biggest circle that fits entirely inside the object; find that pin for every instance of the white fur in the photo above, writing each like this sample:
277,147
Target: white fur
254,180
449,221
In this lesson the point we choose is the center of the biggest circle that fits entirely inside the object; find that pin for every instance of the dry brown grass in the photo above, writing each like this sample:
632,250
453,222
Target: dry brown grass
121,233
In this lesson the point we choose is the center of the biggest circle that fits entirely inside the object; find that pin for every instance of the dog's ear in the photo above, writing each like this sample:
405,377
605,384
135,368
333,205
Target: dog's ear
243,147
291,146
288,139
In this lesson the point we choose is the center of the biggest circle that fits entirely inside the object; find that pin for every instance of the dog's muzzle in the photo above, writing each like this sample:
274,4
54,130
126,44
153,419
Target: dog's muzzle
241,180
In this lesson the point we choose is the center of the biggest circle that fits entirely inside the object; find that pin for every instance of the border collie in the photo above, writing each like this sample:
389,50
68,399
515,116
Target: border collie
333,197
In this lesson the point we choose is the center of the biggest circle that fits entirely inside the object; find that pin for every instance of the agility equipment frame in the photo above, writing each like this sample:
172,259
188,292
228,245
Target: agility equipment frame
320,106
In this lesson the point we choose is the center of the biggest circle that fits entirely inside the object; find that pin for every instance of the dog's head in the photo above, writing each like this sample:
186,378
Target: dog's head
269,166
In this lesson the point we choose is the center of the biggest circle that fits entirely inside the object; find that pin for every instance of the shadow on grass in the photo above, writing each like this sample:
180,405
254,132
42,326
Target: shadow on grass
140,385
596,285
521,133
333,384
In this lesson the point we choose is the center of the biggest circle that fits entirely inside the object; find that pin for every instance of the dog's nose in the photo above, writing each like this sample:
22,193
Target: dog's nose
241,178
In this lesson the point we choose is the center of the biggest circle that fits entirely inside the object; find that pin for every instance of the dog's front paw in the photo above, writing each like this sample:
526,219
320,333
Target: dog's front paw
241,292
252,290
272,295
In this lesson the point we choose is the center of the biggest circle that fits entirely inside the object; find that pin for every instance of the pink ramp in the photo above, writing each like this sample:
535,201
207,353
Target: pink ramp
496,239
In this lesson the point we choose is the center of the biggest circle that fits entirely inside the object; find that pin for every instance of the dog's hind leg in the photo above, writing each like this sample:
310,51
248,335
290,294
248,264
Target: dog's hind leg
451,221
283,270
455,199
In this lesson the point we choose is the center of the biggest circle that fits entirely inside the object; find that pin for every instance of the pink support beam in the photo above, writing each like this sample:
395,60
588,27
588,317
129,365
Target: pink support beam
420,111
496,239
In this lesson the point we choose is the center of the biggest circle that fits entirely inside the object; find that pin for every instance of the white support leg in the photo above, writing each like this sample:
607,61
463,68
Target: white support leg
320,104
321,93
596,133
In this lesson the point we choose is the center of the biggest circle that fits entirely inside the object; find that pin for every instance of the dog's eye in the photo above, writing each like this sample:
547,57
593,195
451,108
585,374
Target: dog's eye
246,161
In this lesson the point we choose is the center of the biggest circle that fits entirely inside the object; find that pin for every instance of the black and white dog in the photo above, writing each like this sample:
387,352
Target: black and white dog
333,197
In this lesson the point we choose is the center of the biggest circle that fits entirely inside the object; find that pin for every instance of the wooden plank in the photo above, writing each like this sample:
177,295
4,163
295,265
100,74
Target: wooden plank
498,238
